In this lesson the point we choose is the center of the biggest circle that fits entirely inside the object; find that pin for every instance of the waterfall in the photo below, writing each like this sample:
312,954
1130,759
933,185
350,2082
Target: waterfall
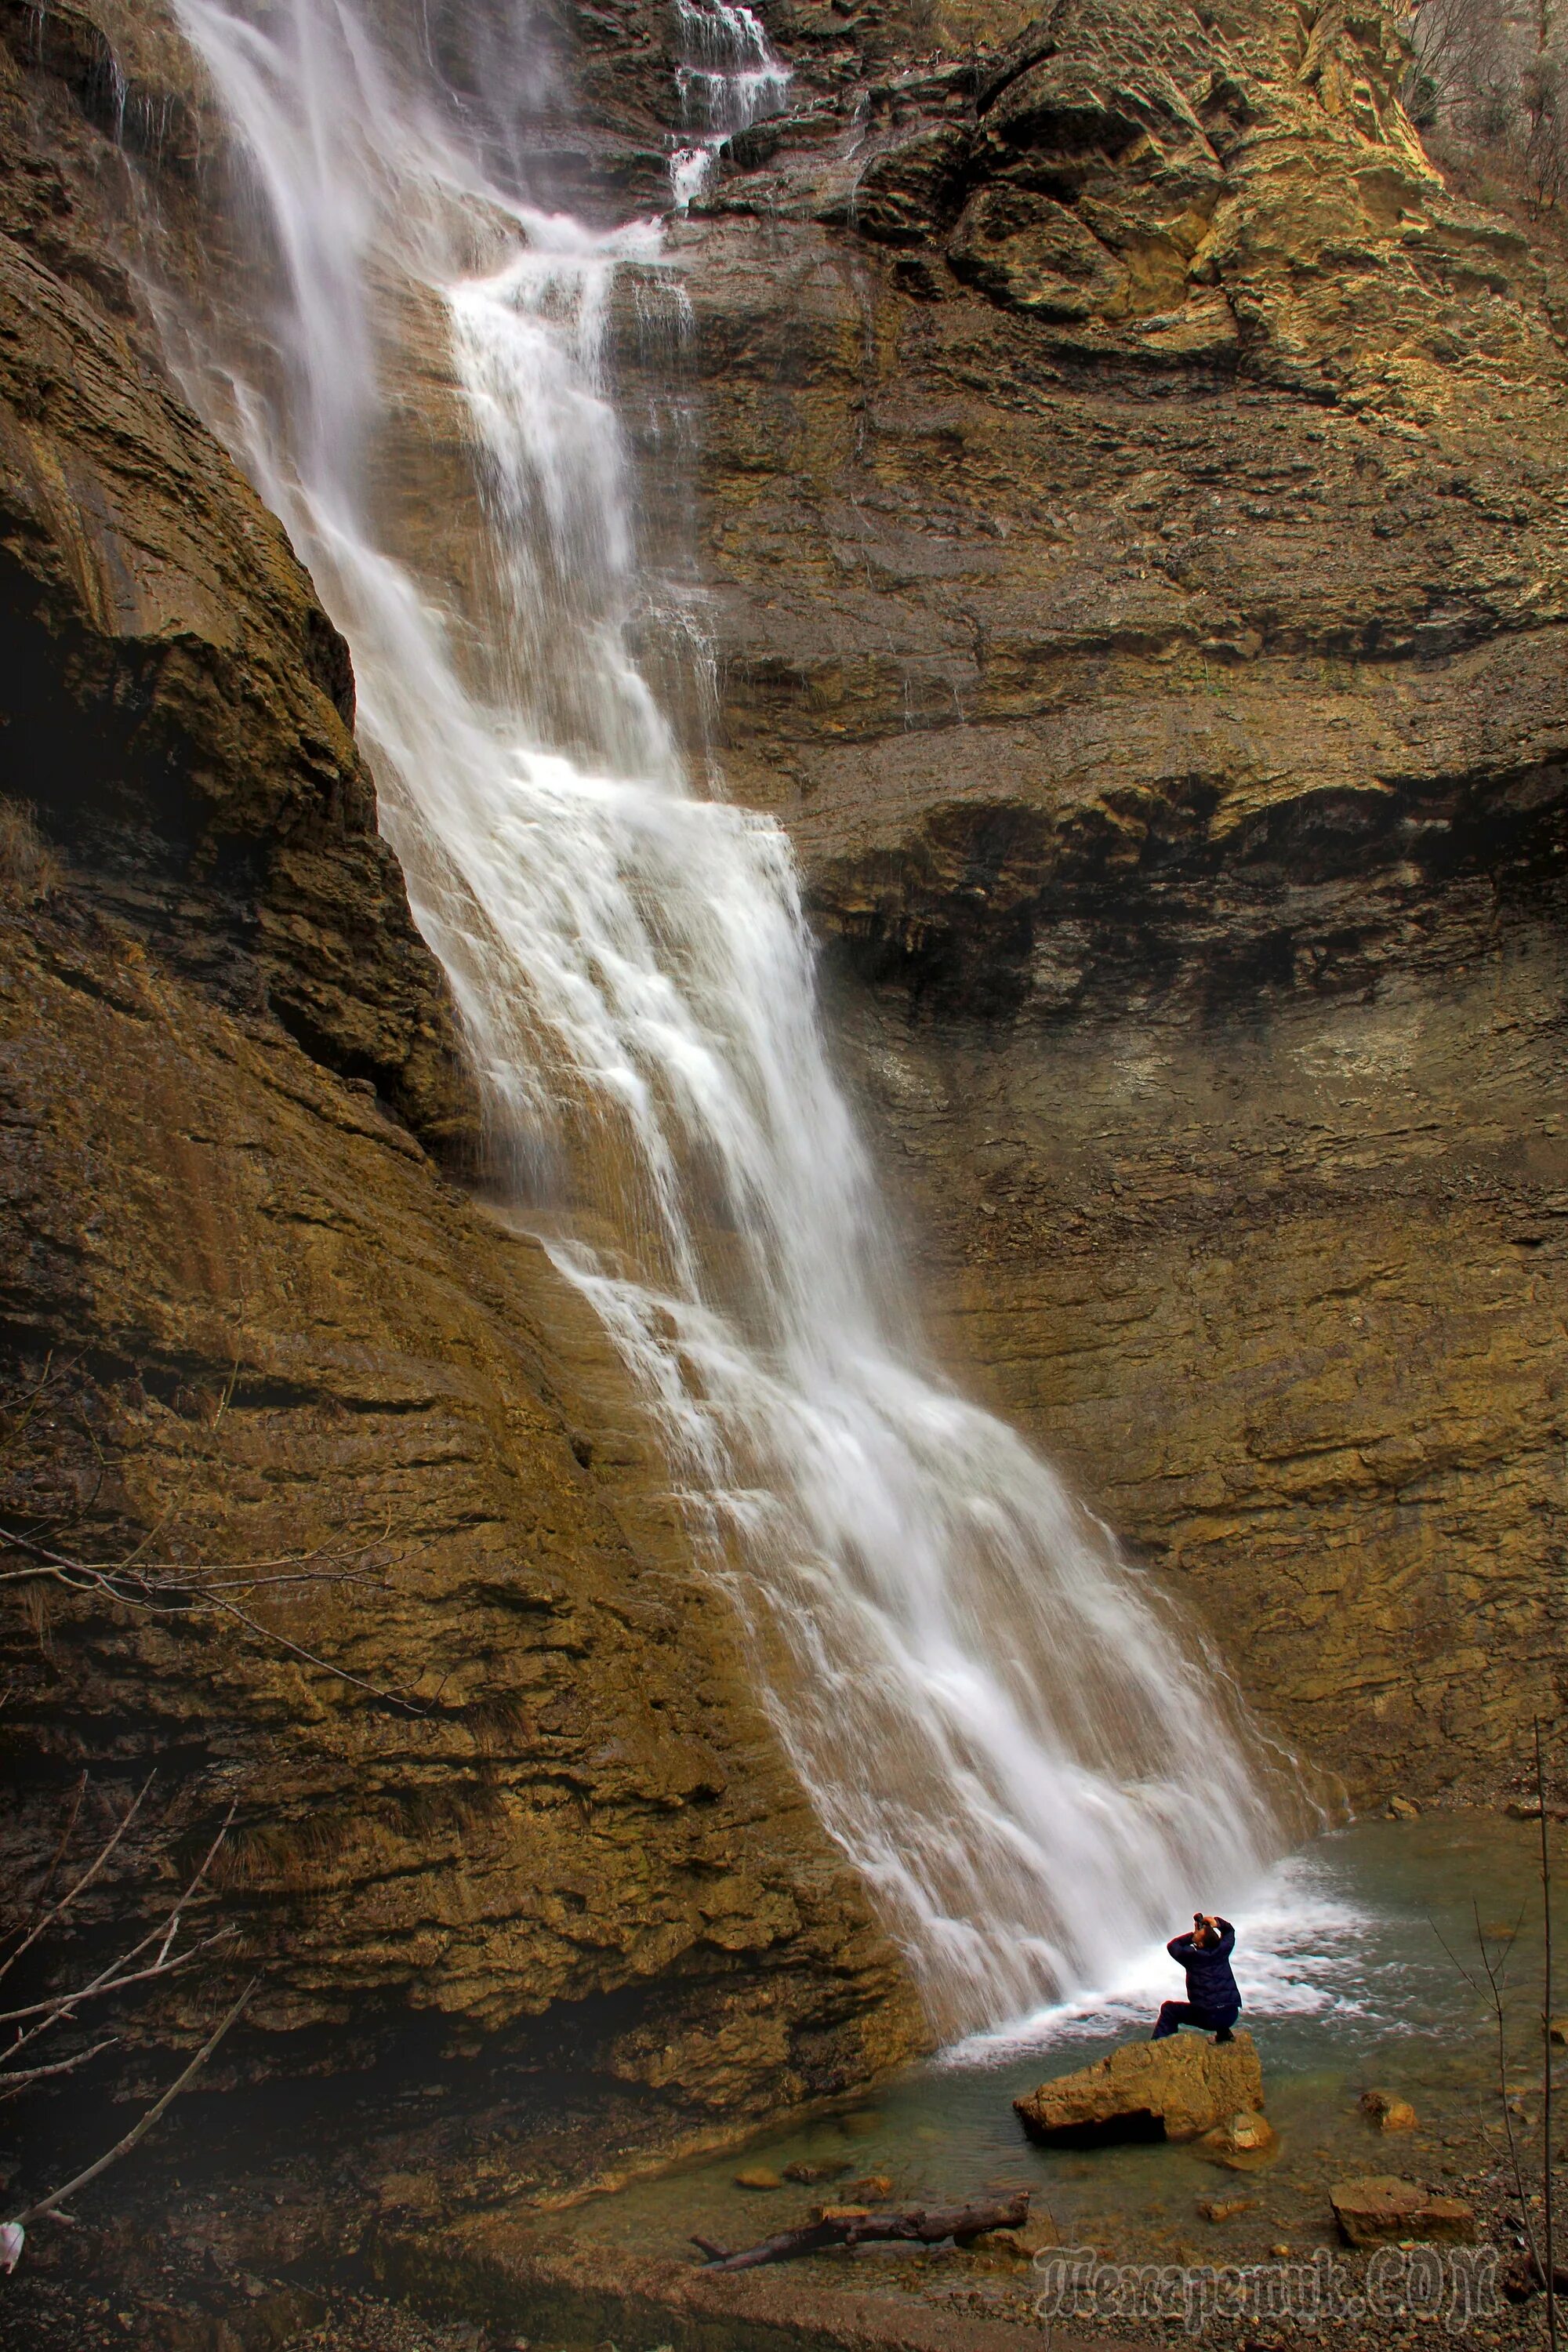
996,1716
728,77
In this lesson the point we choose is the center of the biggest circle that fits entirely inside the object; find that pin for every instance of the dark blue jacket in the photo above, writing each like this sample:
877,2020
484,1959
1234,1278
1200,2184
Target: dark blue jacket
1210,1984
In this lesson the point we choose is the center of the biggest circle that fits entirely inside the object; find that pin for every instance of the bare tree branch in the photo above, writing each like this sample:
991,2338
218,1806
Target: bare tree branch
57,1911
1548,2268
58,2197
68,1829
12,2085
176,1591
37,2018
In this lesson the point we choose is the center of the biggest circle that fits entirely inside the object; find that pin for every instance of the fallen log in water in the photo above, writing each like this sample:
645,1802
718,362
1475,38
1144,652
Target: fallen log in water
858,2225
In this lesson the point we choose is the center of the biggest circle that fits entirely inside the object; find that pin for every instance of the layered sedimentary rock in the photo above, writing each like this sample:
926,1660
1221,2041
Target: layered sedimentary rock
1132,535
485,1729
1133,507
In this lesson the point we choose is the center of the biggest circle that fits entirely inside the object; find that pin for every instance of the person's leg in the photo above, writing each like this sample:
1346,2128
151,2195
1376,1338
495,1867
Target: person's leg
1226,2032
1172,2013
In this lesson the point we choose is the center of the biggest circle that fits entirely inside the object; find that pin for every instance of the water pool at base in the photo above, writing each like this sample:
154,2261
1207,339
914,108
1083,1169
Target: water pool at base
1348,1986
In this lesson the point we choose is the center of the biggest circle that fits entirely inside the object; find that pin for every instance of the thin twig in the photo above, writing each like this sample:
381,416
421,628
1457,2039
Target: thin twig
62,1841
1495,1994
37,2018
165,1593
293,1566
1496,1984
12,2085
1546,2231
57,1910
58,2197
267,1634
58,2006
119,1973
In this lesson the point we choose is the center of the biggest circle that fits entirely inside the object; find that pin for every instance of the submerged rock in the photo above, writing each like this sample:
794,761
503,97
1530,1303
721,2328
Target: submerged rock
1388,2111
1242,2142
1176,2090
1382,2210
1224,2208
759,2175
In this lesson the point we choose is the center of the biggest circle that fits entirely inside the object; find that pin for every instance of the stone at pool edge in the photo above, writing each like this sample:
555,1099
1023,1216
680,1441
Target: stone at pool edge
1382,2210
1176,2090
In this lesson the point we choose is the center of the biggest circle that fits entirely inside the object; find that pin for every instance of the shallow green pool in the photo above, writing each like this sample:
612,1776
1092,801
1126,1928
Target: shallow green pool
1348,1985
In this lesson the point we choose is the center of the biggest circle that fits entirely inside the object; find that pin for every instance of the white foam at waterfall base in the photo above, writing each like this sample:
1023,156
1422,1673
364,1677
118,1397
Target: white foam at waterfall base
1305,1948
1010,1735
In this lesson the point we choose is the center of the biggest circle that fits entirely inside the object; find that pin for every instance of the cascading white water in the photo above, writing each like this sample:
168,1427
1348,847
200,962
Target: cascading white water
728,77
993,1714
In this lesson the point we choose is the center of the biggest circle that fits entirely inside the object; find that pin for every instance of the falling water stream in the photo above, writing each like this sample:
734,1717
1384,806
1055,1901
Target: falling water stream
996,1718
728,77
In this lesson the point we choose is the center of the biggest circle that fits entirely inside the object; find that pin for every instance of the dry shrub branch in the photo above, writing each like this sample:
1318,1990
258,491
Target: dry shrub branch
69,1983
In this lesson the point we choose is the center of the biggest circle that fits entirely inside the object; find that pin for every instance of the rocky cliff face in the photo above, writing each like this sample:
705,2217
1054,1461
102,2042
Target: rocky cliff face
1130,505
486,1734
1133,499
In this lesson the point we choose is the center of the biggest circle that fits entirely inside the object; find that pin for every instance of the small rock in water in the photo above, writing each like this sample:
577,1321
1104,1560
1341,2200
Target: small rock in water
998,2242
1383,2211
860,2123
874,2185
1402,1809
1388,2111
759,2175
1558,2029
808,2175
1243,2141
1224,2208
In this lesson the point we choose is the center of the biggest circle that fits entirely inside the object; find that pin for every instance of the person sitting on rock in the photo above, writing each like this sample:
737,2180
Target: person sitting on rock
1212,2001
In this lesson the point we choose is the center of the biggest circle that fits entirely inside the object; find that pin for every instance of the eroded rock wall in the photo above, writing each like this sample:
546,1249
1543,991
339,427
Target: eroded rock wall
1133,502
486,1731
1130,517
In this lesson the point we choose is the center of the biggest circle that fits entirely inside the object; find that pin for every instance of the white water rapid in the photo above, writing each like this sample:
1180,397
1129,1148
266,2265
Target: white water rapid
993,1716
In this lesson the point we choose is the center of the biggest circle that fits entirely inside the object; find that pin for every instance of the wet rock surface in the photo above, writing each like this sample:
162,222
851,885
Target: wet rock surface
486,1734
1131,498
1384,2210
177,707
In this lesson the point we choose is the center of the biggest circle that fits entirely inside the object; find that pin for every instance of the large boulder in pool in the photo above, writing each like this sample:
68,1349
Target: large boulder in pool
1175,2089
